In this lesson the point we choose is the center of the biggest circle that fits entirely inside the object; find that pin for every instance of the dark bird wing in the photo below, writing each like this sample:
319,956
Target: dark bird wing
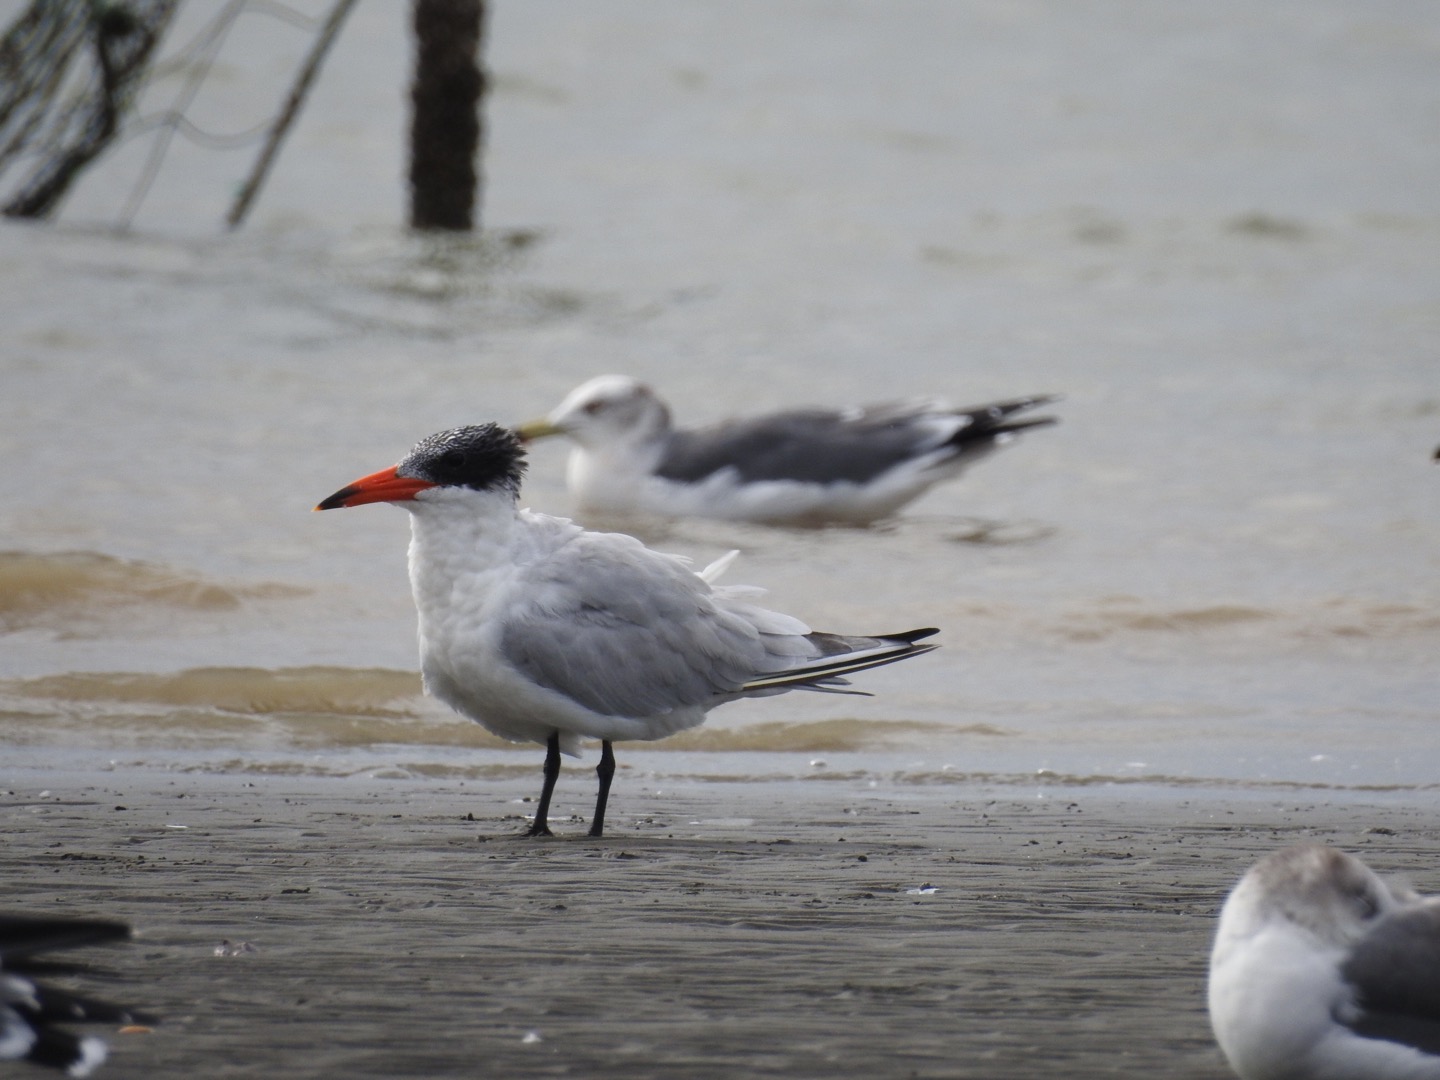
22,936
1395,970
854,446
30,1011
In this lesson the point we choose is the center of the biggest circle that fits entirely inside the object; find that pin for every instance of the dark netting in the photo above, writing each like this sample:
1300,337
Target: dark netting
69,70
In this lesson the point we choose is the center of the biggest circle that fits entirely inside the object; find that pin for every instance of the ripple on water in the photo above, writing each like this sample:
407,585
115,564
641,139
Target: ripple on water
77,592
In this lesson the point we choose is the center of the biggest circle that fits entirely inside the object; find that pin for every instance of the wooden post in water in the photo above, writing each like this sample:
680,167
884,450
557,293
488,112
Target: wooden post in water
445,117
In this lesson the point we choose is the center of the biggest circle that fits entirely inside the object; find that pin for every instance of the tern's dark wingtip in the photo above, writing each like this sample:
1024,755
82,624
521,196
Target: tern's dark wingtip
916,635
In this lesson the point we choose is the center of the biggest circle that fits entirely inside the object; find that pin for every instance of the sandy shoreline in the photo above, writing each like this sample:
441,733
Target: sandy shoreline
725,929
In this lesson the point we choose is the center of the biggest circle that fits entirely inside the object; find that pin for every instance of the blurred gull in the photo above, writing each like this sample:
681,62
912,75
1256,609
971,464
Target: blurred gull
809,466
548,633
1322,971
30,1012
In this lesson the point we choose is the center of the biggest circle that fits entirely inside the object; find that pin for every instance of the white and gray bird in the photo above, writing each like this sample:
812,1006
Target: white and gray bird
34,1016
1323,971
545,632
802,467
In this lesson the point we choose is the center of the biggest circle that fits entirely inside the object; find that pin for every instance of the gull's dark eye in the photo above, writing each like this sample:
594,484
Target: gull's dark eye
593,407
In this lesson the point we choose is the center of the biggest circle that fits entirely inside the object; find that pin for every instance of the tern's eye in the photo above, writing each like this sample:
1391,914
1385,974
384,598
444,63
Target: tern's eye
452,459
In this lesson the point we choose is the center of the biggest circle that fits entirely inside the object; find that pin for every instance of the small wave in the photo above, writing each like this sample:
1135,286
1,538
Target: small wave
522,764
1119,617
1339,618
830,736
1344,619
73,591
1268,226
1205,618
345,707
988,532
250,691
520,769
309,707
1048,778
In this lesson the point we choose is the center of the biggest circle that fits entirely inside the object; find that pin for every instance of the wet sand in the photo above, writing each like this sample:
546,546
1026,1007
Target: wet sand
796,928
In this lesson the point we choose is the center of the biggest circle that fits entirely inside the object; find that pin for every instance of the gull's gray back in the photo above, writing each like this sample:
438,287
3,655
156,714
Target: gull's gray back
809,446
1395,970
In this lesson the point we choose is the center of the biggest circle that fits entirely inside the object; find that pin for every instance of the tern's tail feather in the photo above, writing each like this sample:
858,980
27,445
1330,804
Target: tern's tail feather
841,655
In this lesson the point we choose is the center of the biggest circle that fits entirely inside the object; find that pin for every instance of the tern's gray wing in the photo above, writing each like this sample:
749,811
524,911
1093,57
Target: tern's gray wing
626,631
825,447
1395,970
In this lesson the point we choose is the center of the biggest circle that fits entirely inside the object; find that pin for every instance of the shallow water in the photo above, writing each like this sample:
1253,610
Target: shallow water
1221,566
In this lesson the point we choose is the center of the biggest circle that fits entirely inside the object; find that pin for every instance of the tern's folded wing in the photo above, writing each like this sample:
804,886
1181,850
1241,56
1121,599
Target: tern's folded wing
625,631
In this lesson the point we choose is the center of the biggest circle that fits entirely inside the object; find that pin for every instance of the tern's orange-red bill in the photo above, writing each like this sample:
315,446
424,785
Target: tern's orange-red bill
383,486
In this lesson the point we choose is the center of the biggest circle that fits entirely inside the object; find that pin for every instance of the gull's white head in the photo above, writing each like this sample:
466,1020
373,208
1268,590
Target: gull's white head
1328,894
608,409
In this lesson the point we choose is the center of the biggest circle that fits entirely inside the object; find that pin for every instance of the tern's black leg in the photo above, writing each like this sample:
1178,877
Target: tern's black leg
605,771
541,827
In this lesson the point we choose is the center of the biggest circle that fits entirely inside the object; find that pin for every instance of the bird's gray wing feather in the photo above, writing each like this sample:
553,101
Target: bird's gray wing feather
1395,970
805,446
625,631
823,446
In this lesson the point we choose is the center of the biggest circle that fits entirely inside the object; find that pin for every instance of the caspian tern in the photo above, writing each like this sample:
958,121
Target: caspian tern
545,632
805,467
1323,971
